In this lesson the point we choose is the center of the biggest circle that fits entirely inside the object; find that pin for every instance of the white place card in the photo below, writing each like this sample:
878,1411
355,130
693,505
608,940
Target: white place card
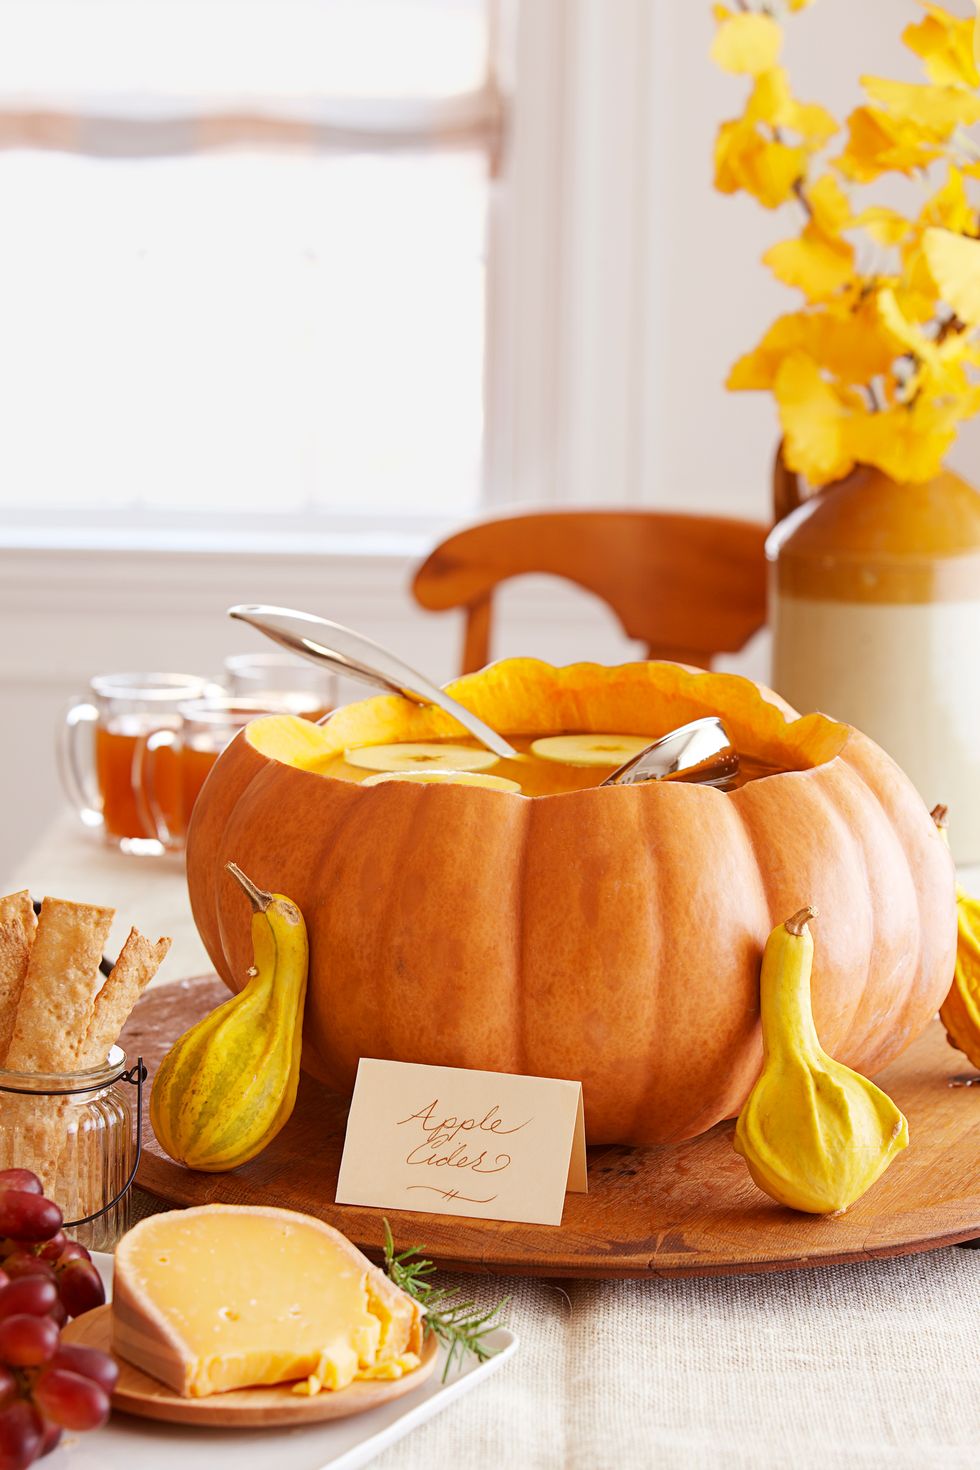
451,1141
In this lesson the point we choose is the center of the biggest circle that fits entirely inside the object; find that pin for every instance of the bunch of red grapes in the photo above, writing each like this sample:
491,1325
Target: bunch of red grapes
46,1386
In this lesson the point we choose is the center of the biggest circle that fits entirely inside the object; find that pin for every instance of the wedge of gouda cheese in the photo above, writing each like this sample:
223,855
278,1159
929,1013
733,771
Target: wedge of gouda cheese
228,1296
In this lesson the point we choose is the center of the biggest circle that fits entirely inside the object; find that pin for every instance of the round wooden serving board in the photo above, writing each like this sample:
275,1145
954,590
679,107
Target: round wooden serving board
241,1408
686,1209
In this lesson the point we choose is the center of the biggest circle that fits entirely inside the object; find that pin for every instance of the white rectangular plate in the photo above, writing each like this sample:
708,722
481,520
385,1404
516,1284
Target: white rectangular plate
139,1444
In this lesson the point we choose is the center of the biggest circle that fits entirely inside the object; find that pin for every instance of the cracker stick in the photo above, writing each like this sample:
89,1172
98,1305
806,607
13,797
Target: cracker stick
56,1002
136,966
17,925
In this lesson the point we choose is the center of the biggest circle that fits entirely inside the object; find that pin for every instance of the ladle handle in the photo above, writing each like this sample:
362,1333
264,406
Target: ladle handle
357,657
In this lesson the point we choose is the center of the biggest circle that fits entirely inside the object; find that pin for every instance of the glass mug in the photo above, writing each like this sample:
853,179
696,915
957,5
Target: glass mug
174,761
102,775
307,690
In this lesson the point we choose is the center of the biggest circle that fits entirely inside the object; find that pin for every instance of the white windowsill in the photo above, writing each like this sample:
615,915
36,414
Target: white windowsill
378,541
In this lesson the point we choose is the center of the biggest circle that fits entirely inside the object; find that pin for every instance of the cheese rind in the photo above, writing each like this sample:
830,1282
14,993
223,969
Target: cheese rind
231,1296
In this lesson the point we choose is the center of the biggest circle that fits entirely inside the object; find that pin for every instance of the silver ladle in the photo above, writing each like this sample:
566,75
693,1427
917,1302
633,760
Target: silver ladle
701,751
357,657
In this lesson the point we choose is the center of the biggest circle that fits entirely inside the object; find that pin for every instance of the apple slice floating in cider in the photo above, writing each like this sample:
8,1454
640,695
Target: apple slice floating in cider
590,750
413,757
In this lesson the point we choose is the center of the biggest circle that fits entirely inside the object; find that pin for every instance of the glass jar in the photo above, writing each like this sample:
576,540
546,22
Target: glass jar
79,1132
875,607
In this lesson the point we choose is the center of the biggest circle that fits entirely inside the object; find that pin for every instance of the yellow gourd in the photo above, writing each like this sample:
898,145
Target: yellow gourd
814,1134
960,1011
228,1085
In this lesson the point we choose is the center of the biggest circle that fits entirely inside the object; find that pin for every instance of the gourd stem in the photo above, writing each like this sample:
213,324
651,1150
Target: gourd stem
799,921
260,900
787,1013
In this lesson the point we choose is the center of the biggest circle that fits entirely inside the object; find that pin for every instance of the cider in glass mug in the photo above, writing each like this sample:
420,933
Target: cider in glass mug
99,752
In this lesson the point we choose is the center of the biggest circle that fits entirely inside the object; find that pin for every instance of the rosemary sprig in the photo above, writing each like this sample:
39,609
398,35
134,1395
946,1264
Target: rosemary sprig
459,1325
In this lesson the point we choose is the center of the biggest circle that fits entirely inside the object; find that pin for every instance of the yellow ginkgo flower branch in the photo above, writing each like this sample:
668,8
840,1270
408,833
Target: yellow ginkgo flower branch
878,365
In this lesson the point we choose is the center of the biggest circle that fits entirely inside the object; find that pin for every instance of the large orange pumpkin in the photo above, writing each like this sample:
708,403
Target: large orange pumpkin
609,935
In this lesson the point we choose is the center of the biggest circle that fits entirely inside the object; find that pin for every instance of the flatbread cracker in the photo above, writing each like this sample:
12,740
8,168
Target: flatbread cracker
136,966
17,925
62,979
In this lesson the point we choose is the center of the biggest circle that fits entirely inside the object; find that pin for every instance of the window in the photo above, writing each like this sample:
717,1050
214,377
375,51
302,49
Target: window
242,264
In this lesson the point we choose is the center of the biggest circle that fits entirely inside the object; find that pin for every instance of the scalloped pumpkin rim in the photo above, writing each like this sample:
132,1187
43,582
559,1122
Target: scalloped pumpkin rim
523,696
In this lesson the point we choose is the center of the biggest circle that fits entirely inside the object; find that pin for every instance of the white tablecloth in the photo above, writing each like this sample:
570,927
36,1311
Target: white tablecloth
875,1364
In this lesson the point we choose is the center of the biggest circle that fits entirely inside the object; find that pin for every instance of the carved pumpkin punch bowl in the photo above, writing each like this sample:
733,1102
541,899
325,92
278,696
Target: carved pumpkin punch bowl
607,934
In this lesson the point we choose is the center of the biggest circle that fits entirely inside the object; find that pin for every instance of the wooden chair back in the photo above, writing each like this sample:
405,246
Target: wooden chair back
688,587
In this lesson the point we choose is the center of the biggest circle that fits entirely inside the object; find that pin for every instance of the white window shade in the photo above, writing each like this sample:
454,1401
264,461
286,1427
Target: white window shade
242,271
210,53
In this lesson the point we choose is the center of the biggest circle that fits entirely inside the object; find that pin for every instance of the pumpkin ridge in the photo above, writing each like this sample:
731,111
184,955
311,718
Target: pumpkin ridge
519,932
642,1108
761,869
900,843
866,793
330,846
837,824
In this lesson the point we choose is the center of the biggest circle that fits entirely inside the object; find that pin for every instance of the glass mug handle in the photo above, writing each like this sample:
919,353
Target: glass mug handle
76,771
144,784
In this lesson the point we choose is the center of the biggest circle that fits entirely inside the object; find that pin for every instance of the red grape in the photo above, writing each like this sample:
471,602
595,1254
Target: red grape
52,1435
28,1216
52,1249
8,1387
58,1313
89,1362
21,1436
32,1294
21,1179
4,1278
25,1263
70,1400
80,1286
72,1251
26,1341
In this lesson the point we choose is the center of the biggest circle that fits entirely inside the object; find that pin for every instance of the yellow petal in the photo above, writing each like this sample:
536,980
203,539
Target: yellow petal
945,44
814,123
747,43
814,419
818,265
954,264
907,443
853,345
884,225
744,159
772,102
830,205
950,207
935,111
771,99
893,319
878,142
757,369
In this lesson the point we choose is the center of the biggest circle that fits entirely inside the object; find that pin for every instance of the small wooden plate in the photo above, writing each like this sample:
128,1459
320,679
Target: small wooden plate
240,1408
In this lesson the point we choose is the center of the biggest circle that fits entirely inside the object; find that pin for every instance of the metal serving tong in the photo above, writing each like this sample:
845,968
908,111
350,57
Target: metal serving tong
701,751
357,657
